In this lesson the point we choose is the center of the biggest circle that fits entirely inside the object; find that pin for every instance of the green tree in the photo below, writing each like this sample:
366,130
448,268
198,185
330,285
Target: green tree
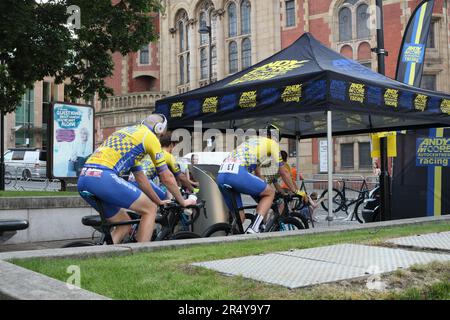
36,41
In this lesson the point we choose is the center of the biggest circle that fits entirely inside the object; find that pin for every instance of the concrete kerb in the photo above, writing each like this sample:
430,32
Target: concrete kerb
85,252
37,286
17,283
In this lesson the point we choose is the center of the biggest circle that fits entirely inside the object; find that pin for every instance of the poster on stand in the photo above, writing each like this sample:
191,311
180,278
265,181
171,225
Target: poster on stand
71,137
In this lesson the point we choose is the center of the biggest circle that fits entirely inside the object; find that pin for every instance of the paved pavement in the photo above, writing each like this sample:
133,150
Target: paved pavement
301,268
434,241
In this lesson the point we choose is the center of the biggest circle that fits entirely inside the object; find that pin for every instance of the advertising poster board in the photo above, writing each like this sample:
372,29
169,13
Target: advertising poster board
71,139
323,156
421,180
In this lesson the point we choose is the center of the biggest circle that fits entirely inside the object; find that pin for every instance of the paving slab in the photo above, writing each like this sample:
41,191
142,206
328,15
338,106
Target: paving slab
300,268
435,241
368,257
288,271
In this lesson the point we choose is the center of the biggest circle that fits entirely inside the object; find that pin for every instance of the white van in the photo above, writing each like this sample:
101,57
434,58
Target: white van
26,163
206,157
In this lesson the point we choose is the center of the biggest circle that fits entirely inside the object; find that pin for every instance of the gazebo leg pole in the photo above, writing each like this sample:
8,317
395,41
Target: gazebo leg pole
297,153
330,166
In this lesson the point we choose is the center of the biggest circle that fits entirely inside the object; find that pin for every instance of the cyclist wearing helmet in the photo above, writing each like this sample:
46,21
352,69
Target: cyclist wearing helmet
150,170
236,171
120,154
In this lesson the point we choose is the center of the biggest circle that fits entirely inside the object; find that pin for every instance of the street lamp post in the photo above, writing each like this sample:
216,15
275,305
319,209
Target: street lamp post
207,30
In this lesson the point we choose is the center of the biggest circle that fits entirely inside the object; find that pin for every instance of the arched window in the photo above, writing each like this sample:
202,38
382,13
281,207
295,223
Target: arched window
362,21
233,57
181,36
181,23
345,24
181,70
232,20
203,64
245,17
203,24
246,53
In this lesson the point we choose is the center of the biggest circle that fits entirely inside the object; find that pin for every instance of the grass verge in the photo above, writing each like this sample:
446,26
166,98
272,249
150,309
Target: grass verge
167,274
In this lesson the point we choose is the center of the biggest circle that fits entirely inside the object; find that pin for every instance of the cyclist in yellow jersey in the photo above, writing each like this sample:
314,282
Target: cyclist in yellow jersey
119,154
168,145
236,172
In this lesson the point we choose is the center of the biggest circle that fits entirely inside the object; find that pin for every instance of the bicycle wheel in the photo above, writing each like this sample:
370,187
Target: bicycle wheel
338,200
217,230
185,235
288,224
298,215
8,178
357,211
76,244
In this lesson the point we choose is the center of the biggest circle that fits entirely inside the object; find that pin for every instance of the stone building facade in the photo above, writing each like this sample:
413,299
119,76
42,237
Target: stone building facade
244,32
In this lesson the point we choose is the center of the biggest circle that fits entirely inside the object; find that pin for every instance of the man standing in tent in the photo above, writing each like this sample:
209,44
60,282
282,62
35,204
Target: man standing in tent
122,153
236,172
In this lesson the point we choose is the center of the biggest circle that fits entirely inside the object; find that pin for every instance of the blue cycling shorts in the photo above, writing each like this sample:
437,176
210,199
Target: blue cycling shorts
160,192
114,192
241,182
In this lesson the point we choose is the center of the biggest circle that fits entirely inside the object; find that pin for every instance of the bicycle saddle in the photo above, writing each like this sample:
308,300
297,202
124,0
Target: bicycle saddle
92,221
13,225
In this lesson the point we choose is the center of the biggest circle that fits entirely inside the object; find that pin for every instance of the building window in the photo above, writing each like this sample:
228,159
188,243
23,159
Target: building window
214,61
290,13
181,70
246,53
428,82
233,57
203,24
181,35
188,68
144,57
365,160
245,17
203,64
431,42
232,20
292,150
187,36
345,24
367,64
362,22
347,156
183,47
25,119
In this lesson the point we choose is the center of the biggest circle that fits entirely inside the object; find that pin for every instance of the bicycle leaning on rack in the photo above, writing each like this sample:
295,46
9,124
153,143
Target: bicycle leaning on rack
341,203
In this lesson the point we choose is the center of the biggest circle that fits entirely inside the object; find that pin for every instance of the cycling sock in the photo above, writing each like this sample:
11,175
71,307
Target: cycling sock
256,223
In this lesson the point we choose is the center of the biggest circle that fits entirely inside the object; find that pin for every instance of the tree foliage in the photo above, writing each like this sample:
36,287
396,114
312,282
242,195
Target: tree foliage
35,42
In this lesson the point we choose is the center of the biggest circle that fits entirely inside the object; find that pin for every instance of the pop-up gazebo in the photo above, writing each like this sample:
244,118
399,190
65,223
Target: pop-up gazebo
309,90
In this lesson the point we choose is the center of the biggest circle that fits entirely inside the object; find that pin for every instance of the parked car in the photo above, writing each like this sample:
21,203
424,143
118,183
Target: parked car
26,163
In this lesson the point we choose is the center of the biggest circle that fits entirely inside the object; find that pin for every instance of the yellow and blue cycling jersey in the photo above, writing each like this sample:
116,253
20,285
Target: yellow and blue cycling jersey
124,149
254,151
150,170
